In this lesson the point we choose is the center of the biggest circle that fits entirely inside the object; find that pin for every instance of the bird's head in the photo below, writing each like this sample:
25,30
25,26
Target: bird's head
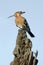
16,14
19,13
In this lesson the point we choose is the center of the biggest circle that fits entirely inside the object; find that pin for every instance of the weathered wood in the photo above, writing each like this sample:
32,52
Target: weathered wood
23,55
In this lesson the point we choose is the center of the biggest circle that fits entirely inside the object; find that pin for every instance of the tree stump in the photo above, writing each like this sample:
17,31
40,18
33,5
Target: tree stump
23,55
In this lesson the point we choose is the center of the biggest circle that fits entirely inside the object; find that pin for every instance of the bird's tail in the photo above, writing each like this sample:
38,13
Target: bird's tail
31,34
29,31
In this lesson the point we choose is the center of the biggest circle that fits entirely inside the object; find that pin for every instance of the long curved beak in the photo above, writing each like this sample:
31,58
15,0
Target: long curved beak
10,16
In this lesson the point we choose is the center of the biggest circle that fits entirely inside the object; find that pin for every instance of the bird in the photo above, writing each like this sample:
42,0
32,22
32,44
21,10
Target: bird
21,22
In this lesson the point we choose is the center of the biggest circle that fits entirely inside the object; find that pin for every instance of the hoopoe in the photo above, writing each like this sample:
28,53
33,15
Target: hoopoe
21,22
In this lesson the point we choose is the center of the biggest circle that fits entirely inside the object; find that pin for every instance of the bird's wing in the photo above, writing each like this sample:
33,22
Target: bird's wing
27,28
26,24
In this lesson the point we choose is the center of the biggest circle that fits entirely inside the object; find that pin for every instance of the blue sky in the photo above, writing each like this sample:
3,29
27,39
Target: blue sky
8,29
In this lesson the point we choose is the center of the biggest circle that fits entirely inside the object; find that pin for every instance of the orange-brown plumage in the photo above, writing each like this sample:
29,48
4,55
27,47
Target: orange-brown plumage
21,22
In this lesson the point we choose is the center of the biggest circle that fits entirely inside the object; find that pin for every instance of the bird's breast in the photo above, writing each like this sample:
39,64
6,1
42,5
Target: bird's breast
19,22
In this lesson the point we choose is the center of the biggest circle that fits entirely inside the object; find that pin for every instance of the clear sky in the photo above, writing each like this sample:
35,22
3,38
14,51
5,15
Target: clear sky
8,29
